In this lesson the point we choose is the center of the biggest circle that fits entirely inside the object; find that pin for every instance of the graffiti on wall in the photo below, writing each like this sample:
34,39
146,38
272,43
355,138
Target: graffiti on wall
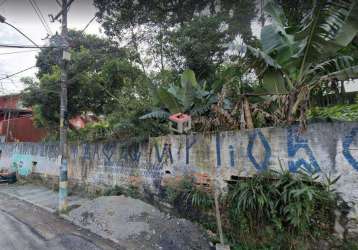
347,147
262,165
22,164
165,154
257,149
300,154
108,151
295,142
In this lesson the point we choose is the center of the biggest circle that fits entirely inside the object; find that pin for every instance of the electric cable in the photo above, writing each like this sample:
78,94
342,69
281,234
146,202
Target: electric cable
20,46
43,18
22,33
88,24
18,52
40,16
16,73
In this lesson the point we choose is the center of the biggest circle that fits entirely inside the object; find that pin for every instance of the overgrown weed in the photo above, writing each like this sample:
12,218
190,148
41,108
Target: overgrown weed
271,210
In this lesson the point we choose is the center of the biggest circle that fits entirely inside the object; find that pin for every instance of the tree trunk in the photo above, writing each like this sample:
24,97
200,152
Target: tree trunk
292,97
248,116
343,92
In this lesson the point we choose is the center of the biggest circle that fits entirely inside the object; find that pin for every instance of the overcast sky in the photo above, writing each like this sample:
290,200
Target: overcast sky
21,14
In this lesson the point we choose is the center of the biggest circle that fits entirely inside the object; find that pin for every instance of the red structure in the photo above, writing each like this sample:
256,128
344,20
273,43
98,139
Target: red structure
10,102
180,123
80,121
16,121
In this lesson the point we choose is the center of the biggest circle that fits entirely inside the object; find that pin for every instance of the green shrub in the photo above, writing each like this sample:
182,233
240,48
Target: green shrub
91,132
200,198
270,210
341,112
350,245
115,191
190,194
280,207
132,191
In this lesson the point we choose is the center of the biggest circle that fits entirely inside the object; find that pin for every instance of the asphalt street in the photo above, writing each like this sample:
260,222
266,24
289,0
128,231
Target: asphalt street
25,227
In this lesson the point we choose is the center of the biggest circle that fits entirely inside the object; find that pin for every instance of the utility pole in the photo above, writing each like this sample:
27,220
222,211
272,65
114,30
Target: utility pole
63,190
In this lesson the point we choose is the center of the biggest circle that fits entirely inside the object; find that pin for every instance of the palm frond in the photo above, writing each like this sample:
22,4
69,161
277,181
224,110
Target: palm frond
343,74
169,100
275,12
189,85
321,28
331,65
157,114
200,109
262,57
349,29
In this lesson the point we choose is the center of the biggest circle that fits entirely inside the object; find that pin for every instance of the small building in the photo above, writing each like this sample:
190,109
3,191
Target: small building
16,121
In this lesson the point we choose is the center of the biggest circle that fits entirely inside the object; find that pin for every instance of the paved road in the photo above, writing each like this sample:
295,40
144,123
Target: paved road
25,227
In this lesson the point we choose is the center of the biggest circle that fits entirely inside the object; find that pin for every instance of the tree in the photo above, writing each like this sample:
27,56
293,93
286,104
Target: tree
100,82
199,45
294,60
101,48
178,34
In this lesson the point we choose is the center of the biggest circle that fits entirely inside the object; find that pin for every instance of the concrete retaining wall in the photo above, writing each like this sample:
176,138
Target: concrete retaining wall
330,148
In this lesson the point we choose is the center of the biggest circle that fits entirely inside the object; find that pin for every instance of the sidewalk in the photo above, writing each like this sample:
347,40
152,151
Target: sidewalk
24,226
129,222
39,196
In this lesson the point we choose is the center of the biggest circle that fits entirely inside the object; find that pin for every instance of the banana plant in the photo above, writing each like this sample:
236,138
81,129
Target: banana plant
293,60
186,97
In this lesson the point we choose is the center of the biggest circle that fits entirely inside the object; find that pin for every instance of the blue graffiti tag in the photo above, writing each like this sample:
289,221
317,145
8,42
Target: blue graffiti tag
218,151
167,151
96,151
347,142
74,151
188,146
294,143
108,151
232,156
263,165
86,151
134,153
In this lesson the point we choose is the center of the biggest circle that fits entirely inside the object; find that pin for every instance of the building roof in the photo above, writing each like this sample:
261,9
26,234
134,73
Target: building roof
12,103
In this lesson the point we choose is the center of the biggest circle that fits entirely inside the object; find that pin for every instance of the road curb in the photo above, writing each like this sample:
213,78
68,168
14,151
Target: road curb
50,210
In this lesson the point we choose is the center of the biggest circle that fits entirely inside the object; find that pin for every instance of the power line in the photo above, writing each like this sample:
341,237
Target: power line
46,23
22,33
20,46
19,72
40,16
88,24
18,52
